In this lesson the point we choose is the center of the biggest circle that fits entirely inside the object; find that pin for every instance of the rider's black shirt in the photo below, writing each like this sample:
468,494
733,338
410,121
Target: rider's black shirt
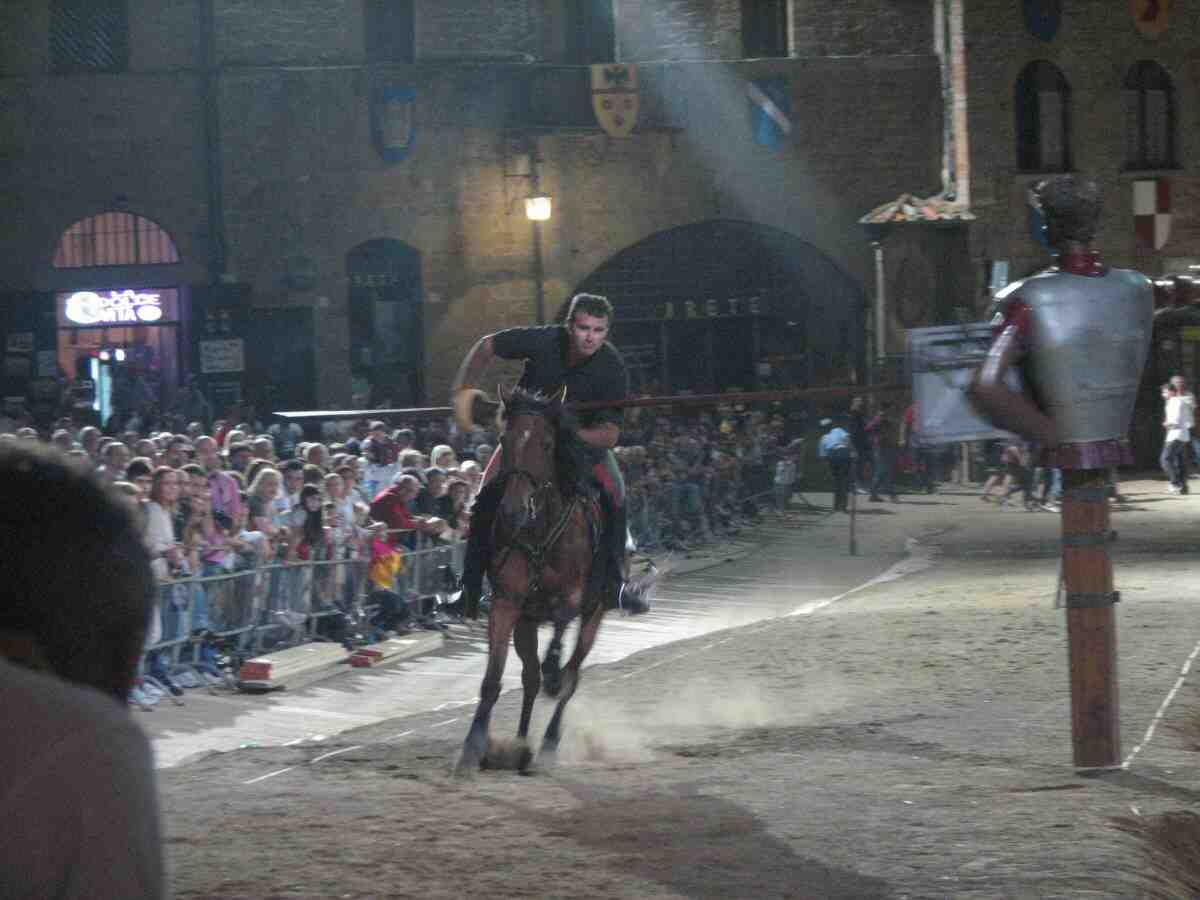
544,348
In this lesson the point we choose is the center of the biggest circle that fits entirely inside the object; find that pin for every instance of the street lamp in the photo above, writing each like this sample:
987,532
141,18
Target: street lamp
537,210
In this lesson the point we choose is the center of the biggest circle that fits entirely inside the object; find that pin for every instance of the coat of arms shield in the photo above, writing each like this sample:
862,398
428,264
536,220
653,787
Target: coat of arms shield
615,98
1042,18
1150,16
1152,212
393,108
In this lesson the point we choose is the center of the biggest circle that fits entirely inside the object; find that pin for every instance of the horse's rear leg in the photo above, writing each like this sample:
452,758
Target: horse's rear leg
501,621
583,646
551,670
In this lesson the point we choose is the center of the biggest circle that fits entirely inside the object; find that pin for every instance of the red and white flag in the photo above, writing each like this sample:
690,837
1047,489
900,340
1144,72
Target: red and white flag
1152,212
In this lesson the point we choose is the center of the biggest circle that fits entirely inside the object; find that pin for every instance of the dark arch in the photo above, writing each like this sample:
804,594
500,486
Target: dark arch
1043,105
383,294
722,304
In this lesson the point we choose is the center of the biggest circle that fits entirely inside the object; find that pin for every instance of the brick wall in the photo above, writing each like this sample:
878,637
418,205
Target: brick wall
862,27
304,185
1094,48
678,29
472,28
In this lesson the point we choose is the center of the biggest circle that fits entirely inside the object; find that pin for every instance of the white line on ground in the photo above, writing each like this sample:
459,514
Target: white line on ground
447,722
396,737
268,775
334,753
1162,708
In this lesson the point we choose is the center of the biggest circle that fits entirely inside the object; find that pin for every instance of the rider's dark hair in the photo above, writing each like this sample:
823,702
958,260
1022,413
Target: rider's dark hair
590,305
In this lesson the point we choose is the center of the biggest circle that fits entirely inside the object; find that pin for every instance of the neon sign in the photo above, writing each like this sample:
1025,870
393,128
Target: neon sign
90,308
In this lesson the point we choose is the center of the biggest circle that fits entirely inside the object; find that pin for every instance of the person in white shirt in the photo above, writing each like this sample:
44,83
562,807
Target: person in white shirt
1178,422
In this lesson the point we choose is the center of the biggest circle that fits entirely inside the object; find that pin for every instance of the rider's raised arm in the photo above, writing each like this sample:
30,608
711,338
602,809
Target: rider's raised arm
465,388
474,364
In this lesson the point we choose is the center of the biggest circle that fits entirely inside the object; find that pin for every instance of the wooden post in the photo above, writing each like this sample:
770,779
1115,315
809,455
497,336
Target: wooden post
1091,620
853,503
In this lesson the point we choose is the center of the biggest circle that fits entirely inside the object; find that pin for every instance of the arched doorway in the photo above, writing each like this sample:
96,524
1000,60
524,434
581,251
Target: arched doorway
724,304
118,343
383,283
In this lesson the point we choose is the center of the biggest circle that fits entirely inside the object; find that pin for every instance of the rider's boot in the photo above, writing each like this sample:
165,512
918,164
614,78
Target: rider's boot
631,593
474,565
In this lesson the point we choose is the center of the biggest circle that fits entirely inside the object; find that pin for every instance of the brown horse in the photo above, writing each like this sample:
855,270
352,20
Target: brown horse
543,535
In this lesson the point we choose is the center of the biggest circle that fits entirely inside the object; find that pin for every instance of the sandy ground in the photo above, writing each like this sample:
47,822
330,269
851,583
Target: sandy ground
910,740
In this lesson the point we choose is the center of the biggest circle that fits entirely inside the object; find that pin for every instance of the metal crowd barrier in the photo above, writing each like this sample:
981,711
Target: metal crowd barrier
282,604
277,605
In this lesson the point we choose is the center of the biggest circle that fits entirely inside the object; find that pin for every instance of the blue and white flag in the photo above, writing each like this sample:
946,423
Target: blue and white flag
770,111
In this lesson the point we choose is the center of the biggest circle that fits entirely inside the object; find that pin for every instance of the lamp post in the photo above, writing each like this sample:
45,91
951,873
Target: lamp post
538,210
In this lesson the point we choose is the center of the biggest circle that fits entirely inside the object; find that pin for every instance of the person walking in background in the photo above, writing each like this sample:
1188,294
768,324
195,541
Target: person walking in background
1167,391
1178,422
882,430
860,444
835,448
785,478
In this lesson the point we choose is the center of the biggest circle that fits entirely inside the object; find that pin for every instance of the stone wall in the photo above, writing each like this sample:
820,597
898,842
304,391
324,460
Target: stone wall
304,184
1095,46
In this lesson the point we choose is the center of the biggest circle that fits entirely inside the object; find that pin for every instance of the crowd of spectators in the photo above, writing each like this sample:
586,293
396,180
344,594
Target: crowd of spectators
239,495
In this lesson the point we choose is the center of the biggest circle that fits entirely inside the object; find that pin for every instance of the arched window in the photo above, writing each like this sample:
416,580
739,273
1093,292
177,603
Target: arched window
1043,120
1148,98
114,239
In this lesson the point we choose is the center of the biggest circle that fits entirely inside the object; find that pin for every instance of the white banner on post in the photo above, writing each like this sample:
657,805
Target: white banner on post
943,361
225,356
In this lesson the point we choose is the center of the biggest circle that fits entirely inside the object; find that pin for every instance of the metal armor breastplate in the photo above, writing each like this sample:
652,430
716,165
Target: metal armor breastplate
1089,343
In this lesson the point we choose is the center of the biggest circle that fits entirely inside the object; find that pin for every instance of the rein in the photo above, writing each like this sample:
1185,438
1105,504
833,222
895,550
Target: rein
536,553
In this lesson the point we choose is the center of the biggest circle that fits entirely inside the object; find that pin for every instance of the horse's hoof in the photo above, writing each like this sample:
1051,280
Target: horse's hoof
525,763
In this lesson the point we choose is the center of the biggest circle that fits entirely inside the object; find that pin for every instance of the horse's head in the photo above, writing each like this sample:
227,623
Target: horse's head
528,448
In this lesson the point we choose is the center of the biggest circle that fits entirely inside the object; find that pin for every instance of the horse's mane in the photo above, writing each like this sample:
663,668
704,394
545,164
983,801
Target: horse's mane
571,455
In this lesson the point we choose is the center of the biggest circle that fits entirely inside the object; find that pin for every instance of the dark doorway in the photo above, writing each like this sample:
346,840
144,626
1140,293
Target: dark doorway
726,304
383,282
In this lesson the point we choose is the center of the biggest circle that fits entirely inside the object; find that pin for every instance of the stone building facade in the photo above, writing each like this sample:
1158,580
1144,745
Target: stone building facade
345,180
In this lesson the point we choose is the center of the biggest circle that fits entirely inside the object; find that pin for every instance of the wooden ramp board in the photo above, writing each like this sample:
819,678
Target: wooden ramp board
292,667
396,648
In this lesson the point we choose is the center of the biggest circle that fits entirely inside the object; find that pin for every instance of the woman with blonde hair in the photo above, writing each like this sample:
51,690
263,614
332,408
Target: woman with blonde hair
442,456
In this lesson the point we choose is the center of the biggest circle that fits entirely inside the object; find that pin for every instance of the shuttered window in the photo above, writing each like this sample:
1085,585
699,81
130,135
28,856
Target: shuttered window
1043,124
1148,103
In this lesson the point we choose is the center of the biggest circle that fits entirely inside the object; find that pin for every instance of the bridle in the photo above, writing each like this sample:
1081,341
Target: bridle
535,551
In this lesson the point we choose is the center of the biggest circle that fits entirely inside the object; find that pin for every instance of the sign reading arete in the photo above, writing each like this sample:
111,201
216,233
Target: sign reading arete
223,356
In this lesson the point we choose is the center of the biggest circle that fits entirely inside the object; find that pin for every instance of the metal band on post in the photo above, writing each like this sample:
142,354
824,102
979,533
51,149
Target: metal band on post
1084,600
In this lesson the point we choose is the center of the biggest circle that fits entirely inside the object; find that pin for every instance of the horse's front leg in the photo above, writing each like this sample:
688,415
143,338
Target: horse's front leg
583,646
501,621
525,640
551,670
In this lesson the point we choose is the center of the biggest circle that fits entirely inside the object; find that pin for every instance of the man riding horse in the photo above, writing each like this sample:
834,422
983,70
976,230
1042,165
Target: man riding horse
577,356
